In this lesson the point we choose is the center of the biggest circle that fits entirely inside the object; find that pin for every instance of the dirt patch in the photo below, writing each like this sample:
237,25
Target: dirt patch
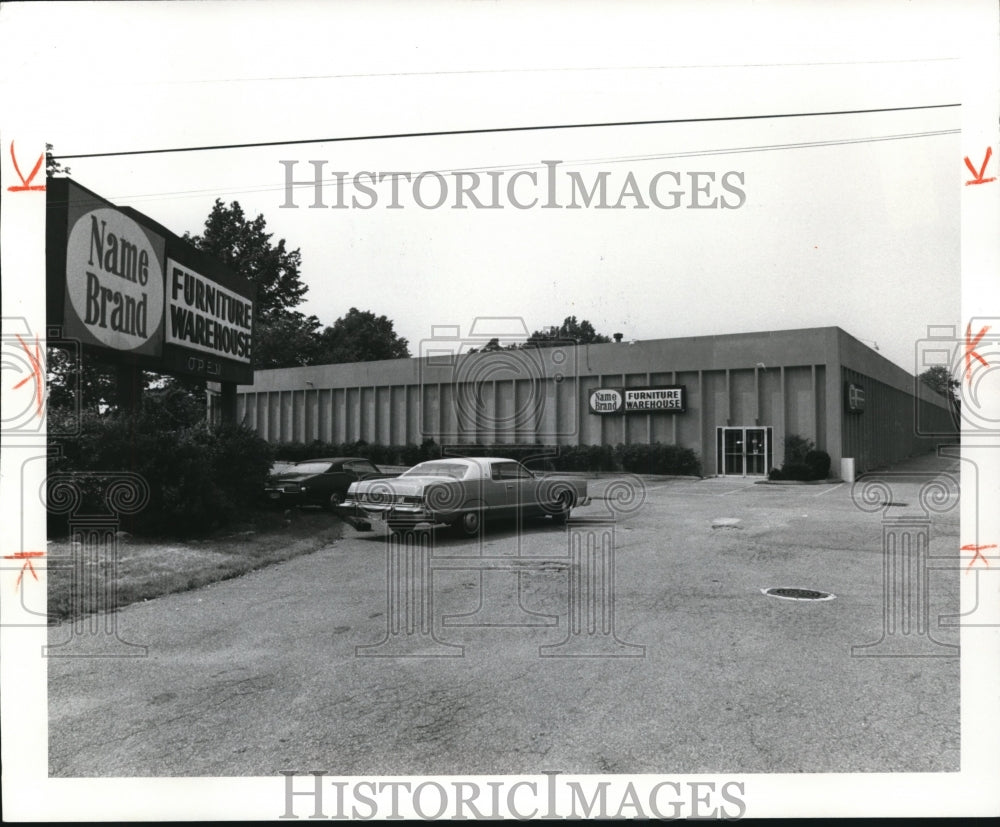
82,581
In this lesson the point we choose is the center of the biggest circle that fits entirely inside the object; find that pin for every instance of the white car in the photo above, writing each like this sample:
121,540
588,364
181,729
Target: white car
462,492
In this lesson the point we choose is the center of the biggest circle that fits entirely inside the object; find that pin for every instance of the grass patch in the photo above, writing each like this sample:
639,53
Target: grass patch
151,568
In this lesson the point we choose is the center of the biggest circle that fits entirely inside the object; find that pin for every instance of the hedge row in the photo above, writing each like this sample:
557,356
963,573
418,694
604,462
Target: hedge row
639,459
199,478
379,454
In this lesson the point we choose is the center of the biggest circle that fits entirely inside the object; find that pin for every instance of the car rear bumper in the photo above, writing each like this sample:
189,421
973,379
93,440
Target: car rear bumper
395,513
278,496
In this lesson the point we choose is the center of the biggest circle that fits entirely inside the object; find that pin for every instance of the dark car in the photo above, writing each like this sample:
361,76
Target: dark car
319,481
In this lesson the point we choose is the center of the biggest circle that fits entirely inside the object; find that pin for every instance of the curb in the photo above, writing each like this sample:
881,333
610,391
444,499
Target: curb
798,482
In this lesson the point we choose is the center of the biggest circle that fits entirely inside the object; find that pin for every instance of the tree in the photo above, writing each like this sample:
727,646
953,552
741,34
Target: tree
283,336
939,379
289,339
245,247
494,345
582,333
360,336
52,166
78,384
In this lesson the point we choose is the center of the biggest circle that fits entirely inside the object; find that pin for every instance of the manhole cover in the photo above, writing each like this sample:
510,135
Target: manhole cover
798,594
726,522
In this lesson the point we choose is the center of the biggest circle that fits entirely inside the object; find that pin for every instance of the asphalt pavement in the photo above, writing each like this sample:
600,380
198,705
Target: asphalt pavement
528,653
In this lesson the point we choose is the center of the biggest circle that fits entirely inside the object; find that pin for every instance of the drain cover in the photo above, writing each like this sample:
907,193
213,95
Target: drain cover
798,594
726,522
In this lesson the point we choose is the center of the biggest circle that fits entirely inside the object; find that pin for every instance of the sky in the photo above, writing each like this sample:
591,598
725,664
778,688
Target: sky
848,219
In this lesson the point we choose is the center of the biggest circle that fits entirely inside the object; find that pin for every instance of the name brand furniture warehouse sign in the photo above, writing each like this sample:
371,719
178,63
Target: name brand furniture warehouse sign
114,283
207,317
132,292
668,399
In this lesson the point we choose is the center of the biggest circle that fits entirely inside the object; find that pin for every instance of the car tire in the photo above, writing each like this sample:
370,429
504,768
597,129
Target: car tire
562,506
334,500
470,524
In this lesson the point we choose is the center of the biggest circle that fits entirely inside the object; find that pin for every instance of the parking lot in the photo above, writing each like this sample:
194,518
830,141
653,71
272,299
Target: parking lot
681,664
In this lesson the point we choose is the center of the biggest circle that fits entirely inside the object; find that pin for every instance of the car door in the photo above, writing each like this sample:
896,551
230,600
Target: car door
337,480
497,487
348,472
519,487
522,489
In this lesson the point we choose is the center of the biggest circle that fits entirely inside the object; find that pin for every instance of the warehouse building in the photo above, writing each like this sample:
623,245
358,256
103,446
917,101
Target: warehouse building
734,399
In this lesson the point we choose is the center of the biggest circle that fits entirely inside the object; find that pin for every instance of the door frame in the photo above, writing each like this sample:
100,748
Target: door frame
720,449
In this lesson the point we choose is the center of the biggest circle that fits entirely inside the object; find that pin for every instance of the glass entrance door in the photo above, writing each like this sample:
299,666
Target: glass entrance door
744,451
756,442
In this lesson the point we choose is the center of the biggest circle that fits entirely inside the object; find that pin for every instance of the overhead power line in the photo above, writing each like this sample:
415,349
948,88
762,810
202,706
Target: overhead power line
503,129
548,69
580,162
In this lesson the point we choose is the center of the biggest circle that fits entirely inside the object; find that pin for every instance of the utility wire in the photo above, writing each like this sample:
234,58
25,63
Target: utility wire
335,181
502,129
543,69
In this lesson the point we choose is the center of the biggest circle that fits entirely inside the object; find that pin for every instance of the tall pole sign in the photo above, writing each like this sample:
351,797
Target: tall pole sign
136,295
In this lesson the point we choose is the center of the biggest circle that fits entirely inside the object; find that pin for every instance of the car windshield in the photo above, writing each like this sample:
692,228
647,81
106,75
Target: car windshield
455,470
309,467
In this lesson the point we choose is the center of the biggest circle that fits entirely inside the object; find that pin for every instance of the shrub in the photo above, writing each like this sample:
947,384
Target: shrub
658,459
818,463
584,458
200,478
412,454
796,448
814,465
796,471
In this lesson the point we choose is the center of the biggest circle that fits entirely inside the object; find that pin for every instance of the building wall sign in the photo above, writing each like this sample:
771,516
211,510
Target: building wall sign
605,400
205,316
651,400
854,398
114,283
663,399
